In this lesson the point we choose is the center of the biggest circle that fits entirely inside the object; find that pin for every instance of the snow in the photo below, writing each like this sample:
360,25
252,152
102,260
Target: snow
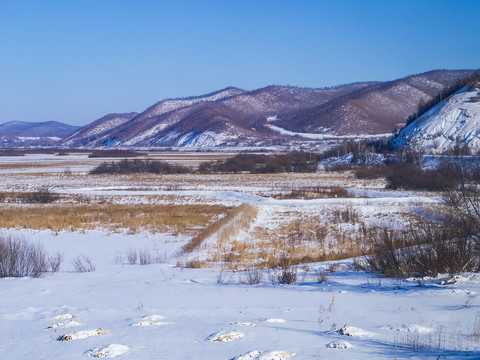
339,345
225,336
325,136
201,312
79,335
455,119
265,355
167,311
112,350
167,106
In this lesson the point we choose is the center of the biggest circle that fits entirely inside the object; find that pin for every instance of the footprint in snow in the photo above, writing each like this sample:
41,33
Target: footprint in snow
265,355
225,336
78,335
152,320
110,351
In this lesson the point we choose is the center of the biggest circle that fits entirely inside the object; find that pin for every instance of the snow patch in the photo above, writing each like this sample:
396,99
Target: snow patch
225,336
152,320
354,331
78,335
344,345
65,325
110,351
266,355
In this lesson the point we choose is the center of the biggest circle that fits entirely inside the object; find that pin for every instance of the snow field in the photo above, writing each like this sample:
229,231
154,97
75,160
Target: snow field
162,310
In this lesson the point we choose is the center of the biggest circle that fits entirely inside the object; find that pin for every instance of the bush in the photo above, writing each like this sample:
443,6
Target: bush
19,258
251,163
428,251
374,172
287,273
41,196
138,166
252,276
410,177
82,264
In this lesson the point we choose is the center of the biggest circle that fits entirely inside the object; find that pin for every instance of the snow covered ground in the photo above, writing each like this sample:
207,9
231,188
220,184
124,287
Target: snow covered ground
163,311
166,311
454,121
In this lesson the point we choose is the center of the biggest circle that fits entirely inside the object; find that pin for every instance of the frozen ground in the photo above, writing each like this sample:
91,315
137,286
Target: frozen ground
165,311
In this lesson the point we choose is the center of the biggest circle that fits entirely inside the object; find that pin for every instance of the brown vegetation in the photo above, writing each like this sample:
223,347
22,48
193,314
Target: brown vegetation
216,227
173,219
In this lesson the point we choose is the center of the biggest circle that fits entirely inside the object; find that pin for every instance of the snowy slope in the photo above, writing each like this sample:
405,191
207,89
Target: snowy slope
454,120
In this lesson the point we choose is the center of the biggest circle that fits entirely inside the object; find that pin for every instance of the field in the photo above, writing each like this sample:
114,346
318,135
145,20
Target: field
215,266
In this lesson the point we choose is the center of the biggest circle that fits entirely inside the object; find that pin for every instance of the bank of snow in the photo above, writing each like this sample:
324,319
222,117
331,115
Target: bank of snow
454,120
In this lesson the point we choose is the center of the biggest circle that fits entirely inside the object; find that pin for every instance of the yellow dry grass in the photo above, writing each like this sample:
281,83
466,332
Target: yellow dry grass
301,240
172,219
223,226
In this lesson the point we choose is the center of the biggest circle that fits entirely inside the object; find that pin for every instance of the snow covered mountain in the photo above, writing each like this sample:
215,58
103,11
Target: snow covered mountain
454,121
271,116
98,130
22,133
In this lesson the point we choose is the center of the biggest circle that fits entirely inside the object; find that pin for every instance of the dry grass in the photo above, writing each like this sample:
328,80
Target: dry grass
225,226
172,219
337,235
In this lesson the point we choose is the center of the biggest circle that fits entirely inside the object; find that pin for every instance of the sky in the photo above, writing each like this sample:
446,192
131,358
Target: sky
76,61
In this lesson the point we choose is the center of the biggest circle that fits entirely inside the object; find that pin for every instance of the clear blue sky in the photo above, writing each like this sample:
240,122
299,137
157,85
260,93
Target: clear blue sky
75,61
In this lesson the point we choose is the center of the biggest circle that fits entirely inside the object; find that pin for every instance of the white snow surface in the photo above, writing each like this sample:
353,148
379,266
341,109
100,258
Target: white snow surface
110,351
325,136
455,119
119,295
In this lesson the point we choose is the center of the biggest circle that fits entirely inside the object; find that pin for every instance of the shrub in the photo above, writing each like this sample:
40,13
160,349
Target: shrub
252,163
410,177
19,258
373,172
321,276
138,166
132,256
82,264
252,276
145,257
287,273
55,262
41,196
426,251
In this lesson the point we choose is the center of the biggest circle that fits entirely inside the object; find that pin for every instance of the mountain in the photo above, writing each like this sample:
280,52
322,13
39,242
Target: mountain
97,130
453,122
270,116
22,133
